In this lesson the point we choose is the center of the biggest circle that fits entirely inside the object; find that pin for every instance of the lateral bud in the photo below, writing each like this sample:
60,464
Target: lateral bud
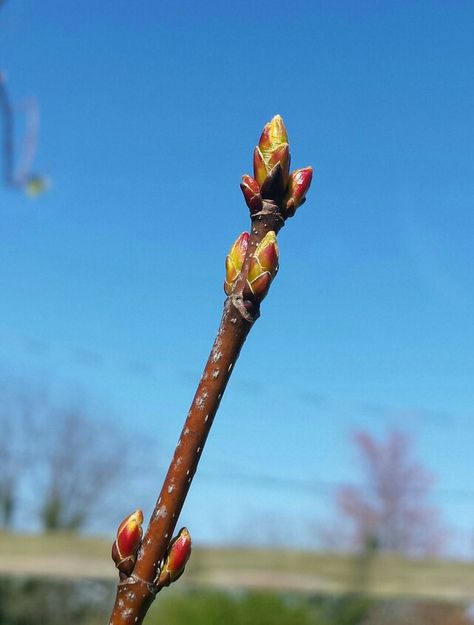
251,190
263,266
298,185
176,559
234,261
127,542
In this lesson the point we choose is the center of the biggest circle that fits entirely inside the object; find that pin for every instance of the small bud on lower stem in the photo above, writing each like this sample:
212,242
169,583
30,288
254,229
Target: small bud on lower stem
127,542
176,559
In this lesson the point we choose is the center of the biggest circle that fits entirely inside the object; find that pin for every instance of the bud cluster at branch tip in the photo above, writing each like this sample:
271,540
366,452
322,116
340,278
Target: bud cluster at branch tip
263,266
176,559
127,542
272,180
234,261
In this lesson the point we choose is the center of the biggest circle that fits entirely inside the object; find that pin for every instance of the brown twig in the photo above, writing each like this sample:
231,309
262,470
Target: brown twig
136,592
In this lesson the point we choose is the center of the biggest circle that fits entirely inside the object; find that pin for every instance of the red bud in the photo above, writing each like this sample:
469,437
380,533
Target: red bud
178,555
298,185
251,190
127,542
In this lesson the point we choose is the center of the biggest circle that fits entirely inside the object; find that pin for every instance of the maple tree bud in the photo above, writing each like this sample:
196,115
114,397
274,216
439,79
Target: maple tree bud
263,266
298,185
127,542
234,261
176,559
272,150
273,134
251,190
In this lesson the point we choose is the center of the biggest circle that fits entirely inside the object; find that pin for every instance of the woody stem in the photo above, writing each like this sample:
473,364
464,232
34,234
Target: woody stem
136,593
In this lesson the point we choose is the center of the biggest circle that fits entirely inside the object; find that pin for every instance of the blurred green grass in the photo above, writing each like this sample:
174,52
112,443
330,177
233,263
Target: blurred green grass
257,608
69,556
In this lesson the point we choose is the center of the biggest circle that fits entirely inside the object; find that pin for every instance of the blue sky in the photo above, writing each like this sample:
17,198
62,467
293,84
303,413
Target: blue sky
112,282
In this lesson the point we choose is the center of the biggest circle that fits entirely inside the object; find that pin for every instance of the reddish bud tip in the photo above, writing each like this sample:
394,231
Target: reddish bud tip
267,253
298,185
234,261
177,557
272,150
127,542
251,190
273,135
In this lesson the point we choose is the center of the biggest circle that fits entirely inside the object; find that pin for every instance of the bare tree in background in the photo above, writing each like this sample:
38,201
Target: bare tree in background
17,410
56,453
390,510
80,461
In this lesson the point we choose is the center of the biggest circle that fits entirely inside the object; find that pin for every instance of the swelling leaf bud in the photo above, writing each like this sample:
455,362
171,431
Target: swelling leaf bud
127,542
263,266
298,185
272,150
234,261
273,135
176,559
251,190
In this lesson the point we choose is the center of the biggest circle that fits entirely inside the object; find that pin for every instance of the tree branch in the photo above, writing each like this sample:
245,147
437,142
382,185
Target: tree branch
20,177
247,281
7,147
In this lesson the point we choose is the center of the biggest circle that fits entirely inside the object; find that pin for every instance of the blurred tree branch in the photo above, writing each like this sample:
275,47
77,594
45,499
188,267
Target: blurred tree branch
17,173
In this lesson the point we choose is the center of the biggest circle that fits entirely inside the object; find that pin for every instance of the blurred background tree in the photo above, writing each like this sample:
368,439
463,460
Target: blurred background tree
390,509
63,460
81,460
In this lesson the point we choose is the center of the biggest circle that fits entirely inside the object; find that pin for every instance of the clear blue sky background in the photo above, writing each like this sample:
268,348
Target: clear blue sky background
112,282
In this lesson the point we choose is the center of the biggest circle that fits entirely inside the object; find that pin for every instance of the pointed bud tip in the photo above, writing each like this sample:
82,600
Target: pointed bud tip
129,535
178,555
136,518
267,252
274,133
251,183
298,185
239,249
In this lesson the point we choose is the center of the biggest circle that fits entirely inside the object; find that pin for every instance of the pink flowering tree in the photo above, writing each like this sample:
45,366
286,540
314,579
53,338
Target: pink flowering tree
390,509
